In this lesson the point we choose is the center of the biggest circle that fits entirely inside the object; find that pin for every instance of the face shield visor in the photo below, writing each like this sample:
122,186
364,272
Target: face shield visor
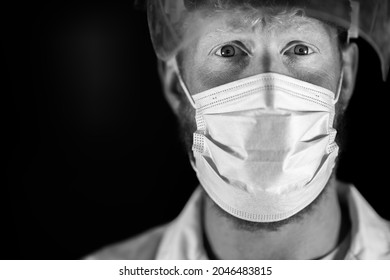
174,24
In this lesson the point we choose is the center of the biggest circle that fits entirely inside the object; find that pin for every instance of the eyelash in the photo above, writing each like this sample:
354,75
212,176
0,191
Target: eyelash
291,49
236,48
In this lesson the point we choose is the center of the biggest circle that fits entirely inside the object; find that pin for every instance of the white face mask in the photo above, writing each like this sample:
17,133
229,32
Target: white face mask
264,147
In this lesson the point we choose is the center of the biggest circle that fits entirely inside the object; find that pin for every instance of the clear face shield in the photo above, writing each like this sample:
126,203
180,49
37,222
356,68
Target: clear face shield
264,147
175,24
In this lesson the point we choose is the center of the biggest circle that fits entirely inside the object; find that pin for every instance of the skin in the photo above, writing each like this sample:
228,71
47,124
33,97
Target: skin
264,43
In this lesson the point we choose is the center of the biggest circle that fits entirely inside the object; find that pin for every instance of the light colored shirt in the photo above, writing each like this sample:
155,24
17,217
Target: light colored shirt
181,239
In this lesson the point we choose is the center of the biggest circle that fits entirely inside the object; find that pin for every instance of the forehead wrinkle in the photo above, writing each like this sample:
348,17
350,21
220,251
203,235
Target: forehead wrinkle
249,19
263,20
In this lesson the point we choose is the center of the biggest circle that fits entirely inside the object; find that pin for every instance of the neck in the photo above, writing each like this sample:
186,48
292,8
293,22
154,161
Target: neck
312,236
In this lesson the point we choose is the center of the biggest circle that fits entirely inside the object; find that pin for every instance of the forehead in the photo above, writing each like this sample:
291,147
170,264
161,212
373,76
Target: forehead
244,20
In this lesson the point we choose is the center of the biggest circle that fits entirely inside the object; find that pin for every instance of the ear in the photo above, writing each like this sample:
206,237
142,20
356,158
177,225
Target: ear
169,82
350,56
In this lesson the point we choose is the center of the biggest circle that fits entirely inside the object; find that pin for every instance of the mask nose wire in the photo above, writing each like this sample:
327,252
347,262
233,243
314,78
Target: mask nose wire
173,62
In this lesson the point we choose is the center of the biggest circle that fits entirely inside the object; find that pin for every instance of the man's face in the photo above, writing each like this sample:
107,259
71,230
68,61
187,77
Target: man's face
234,44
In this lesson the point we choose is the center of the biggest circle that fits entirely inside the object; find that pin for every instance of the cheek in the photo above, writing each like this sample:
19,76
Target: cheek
205,72
322,69
206,78
326,76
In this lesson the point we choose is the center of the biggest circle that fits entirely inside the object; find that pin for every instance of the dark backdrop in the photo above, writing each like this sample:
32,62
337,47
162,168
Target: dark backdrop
91,148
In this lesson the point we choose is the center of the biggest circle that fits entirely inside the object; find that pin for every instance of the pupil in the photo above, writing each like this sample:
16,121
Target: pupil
301,50
227,51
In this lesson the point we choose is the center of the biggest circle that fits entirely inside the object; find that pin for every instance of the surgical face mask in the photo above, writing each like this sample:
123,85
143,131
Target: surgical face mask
264,147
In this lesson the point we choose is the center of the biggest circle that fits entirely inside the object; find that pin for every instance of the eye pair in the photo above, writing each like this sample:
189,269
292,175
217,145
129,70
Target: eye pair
231,50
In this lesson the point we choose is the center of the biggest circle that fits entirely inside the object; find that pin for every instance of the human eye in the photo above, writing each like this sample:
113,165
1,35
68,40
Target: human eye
230,50
299,49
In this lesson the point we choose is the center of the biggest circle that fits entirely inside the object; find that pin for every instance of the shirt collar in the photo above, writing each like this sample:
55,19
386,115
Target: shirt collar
183,238
370,233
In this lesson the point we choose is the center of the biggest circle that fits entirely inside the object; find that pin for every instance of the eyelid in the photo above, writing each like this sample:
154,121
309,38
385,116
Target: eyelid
292,44
236,44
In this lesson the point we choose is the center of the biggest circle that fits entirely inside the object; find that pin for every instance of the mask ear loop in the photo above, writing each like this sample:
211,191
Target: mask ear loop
338,92
173,63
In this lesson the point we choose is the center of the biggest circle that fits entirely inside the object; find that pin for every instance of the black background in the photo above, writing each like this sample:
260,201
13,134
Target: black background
91,148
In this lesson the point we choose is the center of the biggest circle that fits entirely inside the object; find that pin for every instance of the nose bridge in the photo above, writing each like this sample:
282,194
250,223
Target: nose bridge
266,61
